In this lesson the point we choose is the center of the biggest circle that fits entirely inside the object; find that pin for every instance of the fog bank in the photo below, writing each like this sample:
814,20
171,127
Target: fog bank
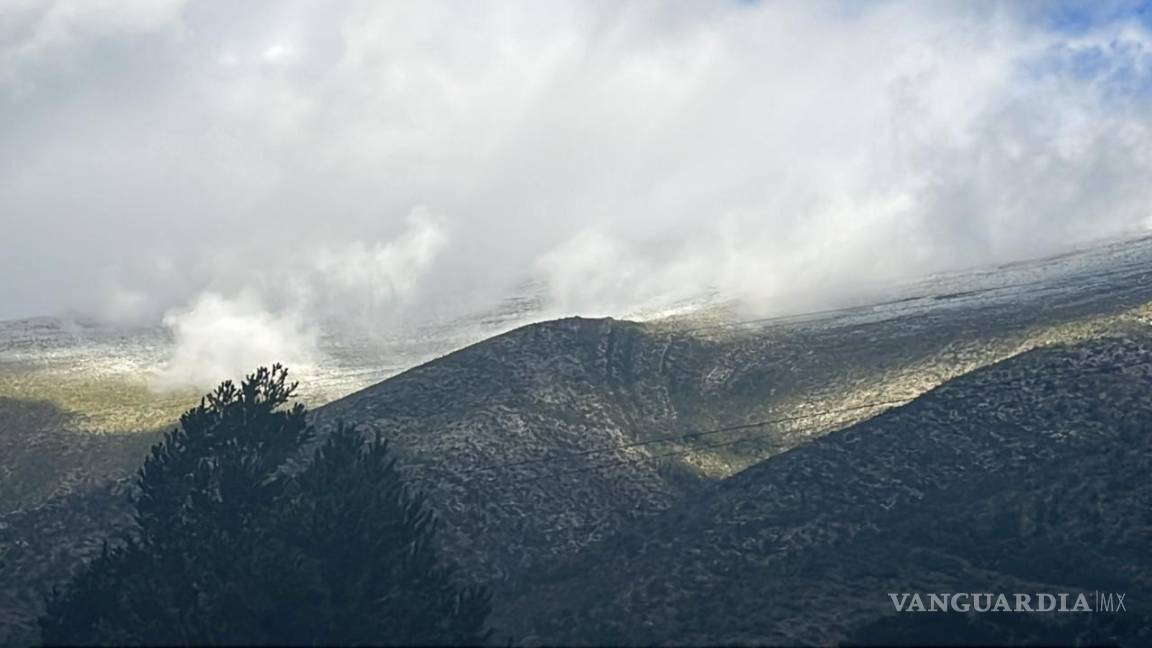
258,170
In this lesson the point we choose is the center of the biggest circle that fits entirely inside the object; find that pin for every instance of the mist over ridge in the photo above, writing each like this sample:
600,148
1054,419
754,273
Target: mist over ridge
260,173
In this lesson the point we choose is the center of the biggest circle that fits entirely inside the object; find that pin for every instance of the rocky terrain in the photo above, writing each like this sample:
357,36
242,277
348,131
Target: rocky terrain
597,446
1026,476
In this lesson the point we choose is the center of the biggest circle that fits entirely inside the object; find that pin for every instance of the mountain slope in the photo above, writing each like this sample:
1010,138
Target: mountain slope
539,442
544,407
1027,476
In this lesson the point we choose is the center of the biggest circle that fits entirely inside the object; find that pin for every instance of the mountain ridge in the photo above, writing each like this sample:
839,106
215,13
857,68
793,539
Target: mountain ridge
792,537
587,424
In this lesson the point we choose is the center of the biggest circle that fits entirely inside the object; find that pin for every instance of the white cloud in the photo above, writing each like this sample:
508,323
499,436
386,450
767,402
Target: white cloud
218,338
372,281
35,31
783,151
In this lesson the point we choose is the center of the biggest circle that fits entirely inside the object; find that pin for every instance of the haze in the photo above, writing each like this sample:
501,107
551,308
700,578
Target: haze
262,168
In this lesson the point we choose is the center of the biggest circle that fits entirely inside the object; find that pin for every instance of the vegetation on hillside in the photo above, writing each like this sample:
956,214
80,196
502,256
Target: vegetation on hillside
1027,476
230,547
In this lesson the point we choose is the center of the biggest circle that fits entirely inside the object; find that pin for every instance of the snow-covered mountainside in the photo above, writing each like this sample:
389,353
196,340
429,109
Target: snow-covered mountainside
60,360
547,439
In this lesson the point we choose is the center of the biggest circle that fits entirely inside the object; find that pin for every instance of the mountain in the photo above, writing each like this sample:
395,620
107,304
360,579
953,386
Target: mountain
553,436
550,442
1029,475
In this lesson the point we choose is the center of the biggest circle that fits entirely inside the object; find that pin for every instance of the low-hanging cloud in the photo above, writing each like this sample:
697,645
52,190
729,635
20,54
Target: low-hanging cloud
371,161
218,337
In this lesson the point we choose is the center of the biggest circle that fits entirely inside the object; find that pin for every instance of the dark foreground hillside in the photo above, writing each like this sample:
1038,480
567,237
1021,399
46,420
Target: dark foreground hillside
1031,475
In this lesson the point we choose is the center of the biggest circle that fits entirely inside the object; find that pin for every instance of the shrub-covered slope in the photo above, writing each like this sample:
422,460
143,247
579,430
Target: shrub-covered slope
1027,476
591,425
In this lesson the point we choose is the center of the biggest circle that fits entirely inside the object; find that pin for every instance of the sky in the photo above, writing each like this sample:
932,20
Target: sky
269,166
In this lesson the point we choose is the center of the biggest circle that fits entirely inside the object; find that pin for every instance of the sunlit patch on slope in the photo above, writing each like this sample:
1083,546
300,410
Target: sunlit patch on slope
864,393
116,403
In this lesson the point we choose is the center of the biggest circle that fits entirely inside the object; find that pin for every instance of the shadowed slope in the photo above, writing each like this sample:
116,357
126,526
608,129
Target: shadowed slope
1027,476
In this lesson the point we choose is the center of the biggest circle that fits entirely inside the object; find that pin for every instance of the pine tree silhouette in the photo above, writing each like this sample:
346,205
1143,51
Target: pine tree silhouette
230,548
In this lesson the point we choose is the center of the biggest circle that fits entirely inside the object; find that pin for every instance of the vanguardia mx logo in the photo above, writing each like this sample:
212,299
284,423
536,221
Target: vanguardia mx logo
1111,602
